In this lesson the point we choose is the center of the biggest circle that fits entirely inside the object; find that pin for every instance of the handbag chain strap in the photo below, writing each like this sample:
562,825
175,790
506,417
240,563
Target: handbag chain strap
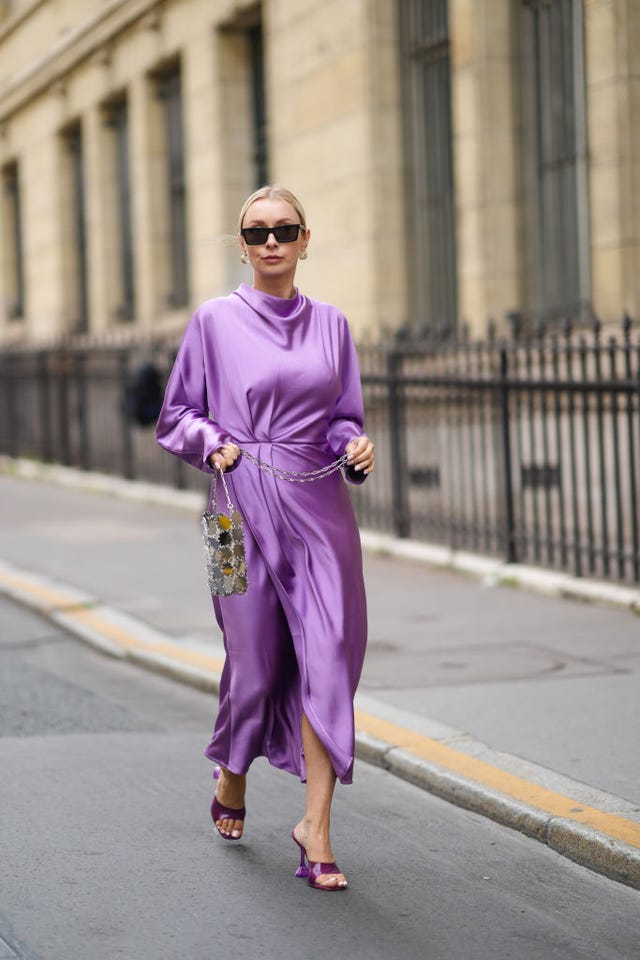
296,476
214,493
292,476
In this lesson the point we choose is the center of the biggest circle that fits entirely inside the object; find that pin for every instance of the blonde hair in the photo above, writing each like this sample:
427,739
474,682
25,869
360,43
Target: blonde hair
273,193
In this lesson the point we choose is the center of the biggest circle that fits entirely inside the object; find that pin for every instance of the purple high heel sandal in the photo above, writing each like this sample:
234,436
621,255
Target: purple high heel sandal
220,812
315,869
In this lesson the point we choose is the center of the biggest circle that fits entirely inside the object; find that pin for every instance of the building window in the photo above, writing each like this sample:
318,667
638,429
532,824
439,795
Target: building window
170,94
74,211
117,118
258,104
555,158
13,272
425,57
242,130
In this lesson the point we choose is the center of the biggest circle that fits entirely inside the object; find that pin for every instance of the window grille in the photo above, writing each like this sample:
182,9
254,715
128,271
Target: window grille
555,158
425,50
14,271
170,93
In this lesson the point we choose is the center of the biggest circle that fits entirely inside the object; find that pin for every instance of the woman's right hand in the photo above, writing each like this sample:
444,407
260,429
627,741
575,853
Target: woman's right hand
224,457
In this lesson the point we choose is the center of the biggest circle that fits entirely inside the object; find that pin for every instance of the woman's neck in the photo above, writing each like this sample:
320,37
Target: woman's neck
279,287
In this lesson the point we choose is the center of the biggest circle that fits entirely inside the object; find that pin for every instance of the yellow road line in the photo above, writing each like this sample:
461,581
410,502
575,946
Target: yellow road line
45,595
56,600
130,642
500,780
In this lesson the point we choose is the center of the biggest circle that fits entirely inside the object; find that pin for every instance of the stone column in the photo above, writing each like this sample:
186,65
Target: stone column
99,262
486,163
46,239
612,39
334,139
385,180
206,216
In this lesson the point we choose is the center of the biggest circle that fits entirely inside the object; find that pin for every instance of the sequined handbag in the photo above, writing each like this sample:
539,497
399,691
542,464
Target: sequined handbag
223,533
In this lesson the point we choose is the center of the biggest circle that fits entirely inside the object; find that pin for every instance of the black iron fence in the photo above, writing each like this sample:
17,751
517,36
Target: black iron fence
527,449
68,405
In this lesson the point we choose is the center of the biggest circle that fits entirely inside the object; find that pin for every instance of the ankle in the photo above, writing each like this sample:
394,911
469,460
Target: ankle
231,785
313,830
316,825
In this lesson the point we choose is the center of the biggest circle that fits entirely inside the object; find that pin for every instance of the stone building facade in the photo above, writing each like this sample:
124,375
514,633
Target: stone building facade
458,160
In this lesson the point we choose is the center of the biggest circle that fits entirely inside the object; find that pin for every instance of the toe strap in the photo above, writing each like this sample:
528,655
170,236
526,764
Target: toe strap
220,812
317,868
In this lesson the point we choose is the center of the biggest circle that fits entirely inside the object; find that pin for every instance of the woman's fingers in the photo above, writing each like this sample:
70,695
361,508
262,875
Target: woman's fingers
225,456
361,454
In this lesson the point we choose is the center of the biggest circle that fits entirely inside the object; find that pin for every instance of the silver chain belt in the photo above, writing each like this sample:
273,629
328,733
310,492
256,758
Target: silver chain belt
296,476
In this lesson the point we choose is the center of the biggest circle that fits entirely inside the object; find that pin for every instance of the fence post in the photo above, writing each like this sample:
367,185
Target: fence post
82,413
509,521
45,403
61,372
12,421
128,467
397,447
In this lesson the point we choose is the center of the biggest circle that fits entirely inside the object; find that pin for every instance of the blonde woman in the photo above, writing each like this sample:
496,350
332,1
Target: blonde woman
273,373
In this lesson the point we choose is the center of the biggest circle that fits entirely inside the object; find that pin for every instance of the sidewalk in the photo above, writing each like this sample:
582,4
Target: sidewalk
520,706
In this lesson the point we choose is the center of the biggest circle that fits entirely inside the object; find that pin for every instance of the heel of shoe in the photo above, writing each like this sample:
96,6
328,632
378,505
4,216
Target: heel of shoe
303,871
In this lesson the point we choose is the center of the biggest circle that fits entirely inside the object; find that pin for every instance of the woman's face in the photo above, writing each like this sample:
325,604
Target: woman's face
272,260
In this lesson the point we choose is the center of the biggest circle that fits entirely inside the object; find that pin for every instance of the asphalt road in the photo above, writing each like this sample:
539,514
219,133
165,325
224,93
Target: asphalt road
107,850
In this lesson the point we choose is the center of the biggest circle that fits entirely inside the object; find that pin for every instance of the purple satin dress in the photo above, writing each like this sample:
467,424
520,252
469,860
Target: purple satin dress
279,378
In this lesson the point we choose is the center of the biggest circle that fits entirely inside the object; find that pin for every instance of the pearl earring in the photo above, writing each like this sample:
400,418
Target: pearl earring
244,258
303,255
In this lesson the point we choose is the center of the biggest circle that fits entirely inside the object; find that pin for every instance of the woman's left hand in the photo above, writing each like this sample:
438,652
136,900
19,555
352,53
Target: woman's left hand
361,455
224,457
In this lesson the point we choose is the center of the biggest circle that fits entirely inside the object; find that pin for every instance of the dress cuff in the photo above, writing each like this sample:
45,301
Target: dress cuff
355,476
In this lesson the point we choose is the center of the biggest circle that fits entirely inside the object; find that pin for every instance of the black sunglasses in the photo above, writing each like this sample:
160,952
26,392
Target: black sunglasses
285,233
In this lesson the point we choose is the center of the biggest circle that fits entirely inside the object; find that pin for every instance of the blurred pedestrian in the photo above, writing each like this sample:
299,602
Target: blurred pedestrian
266,387
143,395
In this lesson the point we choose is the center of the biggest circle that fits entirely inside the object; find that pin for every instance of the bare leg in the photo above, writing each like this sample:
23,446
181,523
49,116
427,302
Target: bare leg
313,830
230,792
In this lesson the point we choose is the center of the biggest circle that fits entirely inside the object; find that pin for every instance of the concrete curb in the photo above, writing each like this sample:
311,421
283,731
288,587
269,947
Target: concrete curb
590,848
494,573
404,737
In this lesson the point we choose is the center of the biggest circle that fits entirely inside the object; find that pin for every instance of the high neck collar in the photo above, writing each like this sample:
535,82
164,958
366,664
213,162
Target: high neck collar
269,306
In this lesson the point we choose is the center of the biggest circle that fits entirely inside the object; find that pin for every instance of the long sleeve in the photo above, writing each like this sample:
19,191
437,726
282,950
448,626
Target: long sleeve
347,421
184,426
